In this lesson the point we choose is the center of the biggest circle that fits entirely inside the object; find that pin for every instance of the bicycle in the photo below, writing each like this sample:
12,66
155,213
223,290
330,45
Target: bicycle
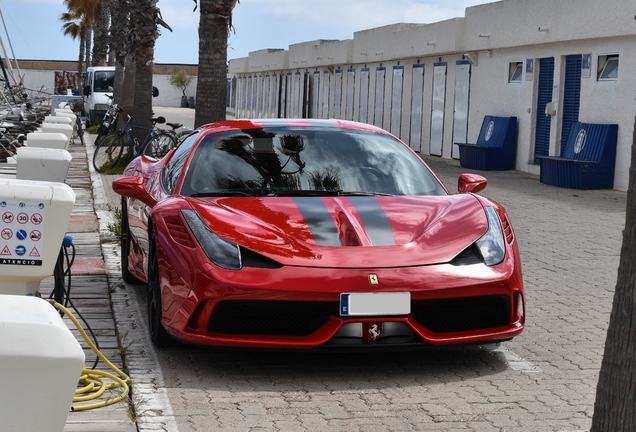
111,148
77,107
109,121
178,131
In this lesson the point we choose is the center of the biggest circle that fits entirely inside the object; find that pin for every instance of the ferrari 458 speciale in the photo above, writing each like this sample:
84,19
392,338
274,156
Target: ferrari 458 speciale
308,234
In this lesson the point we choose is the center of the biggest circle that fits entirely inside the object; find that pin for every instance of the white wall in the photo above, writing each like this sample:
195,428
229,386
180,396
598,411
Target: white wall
169,95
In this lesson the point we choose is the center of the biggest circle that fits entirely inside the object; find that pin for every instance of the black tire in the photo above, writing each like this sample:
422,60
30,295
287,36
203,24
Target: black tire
159,144
126,275
108,152
100,136
158,334
80,129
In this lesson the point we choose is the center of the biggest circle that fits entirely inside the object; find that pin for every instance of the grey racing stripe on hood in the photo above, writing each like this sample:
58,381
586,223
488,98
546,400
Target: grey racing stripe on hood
374,220
324,230
319,221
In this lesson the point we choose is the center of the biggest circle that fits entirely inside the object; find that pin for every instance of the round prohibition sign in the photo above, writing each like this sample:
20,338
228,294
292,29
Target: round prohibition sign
7,234
7,217
35,235
22,218
36,218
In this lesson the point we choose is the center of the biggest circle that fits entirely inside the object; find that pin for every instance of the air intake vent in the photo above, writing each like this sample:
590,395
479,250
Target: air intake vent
252,259
469,256
507,229
178,231
270,318
462,314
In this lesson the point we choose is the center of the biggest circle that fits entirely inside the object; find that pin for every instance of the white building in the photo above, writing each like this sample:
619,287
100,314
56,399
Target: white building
432,84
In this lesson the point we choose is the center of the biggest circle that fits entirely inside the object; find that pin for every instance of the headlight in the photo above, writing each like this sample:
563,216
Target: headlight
220,251
492,245
101,107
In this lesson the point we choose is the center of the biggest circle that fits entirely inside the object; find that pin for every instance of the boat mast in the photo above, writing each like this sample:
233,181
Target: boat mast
12,52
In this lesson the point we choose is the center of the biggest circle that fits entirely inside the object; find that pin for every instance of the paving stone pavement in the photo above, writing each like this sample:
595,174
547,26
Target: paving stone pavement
90,295
544,380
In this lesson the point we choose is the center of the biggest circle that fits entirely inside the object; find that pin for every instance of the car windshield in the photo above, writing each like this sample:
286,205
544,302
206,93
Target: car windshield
306,161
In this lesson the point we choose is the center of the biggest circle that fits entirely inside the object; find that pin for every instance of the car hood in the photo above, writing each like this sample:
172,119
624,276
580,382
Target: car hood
348,232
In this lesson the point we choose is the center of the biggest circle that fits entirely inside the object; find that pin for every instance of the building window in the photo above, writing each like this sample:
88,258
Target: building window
515,72
607,67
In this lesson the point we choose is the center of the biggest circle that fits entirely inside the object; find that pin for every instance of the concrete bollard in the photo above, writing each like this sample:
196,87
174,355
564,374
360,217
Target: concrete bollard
34,216
48,140
41,362
43,164
58,119
56,127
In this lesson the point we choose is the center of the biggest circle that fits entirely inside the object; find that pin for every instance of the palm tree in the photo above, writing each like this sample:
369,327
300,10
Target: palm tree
78,23
75,28
100,33
143,32
615,406
214,27
120,21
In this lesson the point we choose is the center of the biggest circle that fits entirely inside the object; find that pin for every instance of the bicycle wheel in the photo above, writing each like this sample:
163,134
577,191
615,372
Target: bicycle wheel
183,132
107,152
80,129
159,144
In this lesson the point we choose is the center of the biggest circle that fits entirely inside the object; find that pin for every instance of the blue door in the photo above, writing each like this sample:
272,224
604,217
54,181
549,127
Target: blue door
571,96
546,81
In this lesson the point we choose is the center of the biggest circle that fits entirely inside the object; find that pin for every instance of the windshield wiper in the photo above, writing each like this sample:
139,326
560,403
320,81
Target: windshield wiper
331,192
305,192
363,193
221,194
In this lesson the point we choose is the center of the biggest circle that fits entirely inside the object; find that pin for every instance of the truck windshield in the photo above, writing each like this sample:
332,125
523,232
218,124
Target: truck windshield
103,80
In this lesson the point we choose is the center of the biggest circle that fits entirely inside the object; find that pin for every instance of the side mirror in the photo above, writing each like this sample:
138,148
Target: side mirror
471,183
133,187
87,90
155,91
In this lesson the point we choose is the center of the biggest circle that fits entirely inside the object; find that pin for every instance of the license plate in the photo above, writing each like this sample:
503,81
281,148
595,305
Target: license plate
375,304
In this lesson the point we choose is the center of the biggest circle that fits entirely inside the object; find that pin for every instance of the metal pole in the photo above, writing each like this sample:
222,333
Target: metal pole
11,46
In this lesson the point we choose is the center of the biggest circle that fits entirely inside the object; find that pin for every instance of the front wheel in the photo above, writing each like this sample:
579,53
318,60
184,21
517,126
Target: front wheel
159,144
107,152
158,335
126,274
80,129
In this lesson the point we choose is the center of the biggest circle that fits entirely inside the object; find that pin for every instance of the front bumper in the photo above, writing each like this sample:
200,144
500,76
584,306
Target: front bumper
276,313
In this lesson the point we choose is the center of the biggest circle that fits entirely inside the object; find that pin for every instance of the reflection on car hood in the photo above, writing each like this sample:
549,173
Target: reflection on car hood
352,232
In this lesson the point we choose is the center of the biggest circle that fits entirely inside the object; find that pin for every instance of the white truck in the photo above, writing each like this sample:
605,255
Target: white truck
98,83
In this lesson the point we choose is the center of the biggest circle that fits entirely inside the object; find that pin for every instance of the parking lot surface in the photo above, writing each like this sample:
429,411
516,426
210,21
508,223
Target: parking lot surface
543,380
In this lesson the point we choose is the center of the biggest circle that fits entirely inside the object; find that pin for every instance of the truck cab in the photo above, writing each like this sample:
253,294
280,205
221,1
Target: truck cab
98,86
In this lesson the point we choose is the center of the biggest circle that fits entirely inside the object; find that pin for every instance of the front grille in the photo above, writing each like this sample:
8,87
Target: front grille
462,314
271,318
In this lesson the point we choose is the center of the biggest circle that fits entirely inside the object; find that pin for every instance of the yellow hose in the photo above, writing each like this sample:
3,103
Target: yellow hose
92,380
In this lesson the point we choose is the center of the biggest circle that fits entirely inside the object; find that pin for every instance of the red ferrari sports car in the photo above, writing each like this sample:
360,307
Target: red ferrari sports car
312,234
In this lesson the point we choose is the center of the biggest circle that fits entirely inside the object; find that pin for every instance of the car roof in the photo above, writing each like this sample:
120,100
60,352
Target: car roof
241,124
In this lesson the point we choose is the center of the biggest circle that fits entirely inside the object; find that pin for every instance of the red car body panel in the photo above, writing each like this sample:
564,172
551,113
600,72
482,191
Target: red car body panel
428,232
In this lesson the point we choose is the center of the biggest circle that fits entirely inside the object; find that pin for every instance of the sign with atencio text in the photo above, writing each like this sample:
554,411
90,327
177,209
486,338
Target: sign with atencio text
21,232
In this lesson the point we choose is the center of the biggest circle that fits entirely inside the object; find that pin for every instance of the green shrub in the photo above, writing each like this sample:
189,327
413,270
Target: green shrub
115,227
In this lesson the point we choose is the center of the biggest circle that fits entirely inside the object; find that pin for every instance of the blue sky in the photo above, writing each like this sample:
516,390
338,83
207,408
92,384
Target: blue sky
35,32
